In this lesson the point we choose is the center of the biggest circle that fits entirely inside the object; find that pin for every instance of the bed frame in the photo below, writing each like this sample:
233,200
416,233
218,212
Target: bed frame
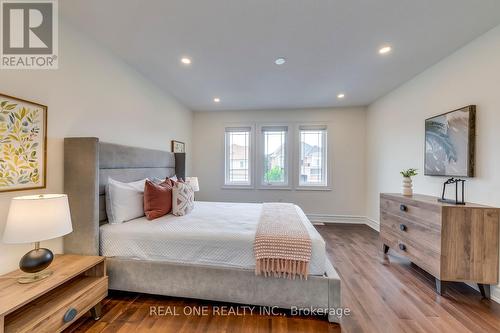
87,165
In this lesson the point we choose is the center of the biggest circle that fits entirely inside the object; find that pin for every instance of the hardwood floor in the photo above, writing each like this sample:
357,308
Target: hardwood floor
384,294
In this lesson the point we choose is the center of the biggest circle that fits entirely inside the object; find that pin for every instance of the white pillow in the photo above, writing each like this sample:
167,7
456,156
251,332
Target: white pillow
182,199
124,201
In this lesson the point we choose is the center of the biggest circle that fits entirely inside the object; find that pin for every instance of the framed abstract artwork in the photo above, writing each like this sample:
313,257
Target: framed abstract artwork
450,143
23,144
178,147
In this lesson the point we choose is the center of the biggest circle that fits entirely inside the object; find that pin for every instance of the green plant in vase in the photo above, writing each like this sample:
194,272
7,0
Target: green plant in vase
407,181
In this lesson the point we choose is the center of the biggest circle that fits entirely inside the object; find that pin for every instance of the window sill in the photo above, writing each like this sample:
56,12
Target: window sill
282,188
237,187
313,188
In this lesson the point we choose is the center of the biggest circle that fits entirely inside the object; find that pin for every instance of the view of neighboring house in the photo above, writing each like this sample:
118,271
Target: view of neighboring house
311,164
274,166
238,169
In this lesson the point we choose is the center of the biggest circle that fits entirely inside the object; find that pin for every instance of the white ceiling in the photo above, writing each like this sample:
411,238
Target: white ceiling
330,46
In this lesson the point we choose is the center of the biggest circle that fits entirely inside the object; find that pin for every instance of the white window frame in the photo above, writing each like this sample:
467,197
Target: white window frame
326,160
287,184
239,185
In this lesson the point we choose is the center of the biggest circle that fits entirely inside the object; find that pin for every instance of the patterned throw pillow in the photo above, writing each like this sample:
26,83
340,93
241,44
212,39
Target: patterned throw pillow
182,199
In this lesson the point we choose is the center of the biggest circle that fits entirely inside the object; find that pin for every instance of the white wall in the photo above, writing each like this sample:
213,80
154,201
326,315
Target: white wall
93,93
346,138
395,138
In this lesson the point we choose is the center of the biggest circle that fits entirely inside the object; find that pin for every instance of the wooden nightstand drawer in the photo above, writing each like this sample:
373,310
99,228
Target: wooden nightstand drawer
412,211
420,233
47,314
78,284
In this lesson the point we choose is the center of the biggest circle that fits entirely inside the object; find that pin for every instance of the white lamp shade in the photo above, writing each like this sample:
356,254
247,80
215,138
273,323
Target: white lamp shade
193,182
36,218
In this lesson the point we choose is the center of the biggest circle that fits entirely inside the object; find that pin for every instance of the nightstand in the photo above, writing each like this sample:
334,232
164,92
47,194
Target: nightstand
78,285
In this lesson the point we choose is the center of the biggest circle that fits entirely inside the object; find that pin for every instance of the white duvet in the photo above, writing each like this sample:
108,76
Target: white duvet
214,233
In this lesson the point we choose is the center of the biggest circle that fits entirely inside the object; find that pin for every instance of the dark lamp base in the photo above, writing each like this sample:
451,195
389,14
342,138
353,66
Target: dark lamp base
34,262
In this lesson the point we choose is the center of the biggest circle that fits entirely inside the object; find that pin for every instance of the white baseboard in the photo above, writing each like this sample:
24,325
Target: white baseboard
346,219
325,218
372,224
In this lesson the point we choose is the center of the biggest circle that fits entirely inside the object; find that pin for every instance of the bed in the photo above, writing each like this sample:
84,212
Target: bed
214,233
207,254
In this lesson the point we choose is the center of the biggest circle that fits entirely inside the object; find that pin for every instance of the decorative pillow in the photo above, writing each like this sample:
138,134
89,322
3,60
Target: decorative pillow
124,201
182,199
157,199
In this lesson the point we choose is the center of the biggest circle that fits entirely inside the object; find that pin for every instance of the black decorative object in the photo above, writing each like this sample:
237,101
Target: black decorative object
456,201
34,263
36,260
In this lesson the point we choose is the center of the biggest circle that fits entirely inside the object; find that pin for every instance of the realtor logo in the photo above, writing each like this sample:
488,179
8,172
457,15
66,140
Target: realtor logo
29,37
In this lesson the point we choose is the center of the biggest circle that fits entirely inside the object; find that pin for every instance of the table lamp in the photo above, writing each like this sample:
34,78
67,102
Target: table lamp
193,182
32,219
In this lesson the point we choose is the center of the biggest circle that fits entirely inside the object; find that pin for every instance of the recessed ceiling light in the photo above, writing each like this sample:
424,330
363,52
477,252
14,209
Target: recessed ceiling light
280,61
217,100
186,60
385,50
340,96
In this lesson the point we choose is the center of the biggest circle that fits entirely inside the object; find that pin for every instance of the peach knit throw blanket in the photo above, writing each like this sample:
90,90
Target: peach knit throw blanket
282,244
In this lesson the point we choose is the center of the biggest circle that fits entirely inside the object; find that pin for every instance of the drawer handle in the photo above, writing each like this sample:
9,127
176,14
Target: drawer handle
402,227
402,247
70,315
403,208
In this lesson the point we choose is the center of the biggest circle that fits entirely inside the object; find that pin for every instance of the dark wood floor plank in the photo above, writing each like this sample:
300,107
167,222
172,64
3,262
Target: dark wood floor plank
385,293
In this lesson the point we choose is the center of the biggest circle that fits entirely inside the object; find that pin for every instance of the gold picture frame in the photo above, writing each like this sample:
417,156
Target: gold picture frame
23,144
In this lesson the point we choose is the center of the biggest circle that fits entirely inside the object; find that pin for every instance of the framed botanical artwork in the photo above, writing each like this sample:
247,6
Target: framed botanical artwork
178,147
23,144
450,143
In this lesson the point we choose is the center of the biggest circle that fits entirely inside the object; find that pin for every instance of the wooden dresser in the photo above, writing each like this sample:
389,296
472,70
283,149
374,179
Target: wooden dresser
451,242
77,286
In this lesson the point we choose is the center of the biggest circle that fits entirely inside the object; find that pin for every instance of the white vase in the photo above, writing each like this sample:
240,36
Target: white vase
407,186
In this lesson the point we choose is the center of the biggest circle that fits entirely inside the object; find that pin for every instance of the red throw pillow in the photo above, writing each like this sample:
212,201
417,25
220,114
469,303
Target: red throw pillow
157,199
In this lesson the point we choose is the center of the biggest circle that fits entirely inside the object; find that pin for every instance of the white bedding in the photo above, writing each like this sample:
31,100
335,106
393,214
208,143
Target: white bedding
214,233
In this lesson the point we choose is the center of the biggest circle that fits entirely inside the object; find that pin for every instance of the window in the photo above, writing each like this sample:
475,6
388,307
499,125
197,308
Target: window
269,163
313,159
274,155
238,152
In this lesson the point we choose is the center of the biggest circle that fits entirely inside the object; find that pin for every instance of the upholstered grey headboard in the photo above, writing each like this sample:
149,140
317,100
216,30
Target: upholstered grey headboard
88,164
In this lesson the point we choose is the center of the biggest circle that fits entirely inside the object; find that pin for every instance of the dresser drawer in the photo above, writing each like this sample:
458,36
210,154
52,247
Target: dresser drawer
418,253
429,216
426,235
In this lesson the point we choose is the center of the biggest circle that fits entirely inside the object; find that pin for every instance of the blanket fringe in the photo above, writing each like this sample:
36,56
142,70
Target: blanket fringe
285,268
